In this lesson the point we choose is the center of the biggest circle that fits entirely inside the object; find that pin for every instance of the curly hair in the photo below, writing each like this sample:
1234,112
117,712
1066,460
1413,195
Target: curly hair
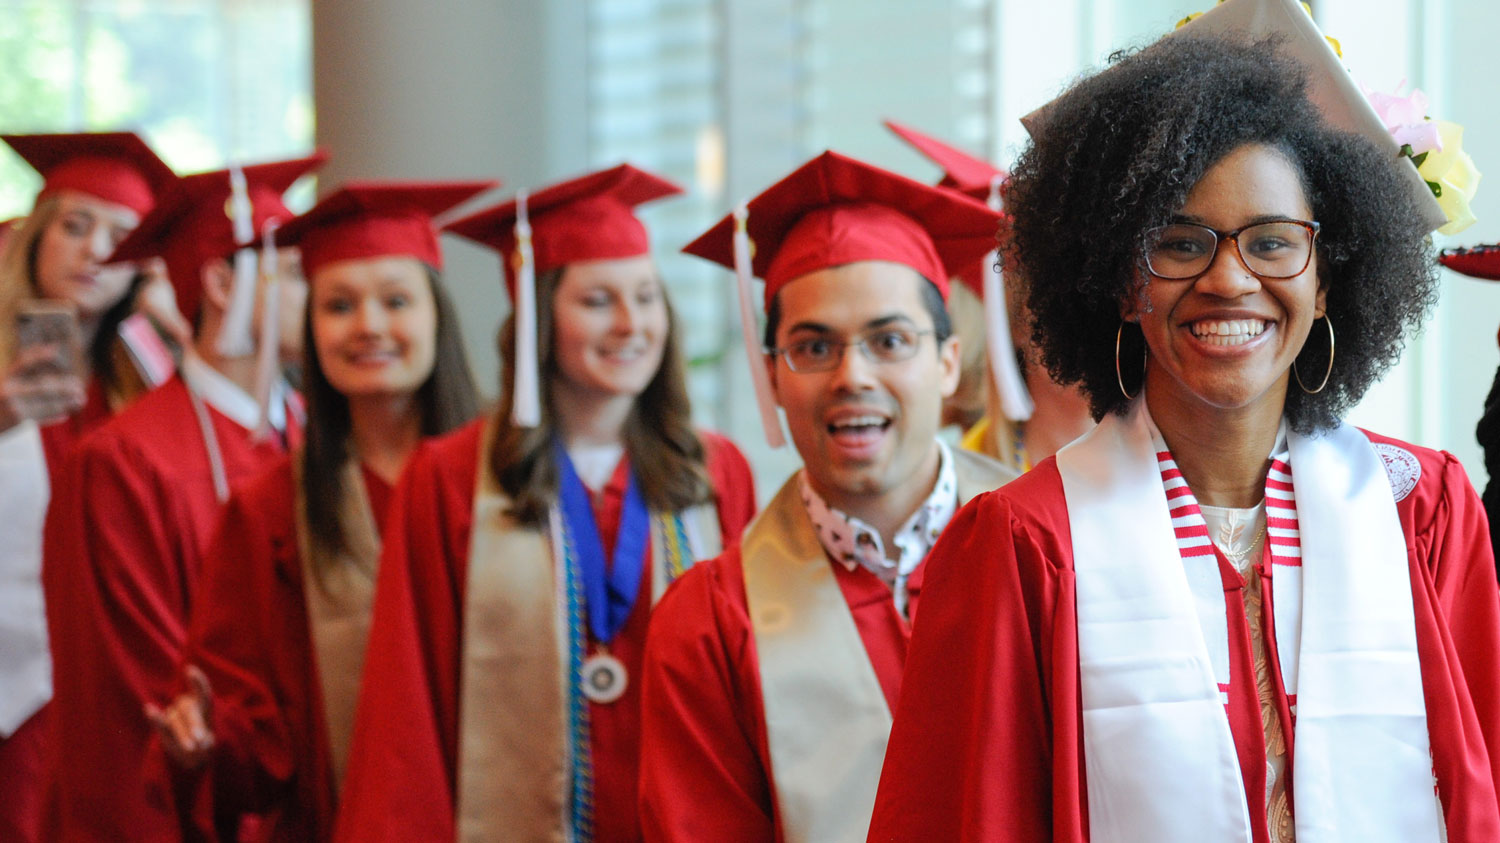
1118,154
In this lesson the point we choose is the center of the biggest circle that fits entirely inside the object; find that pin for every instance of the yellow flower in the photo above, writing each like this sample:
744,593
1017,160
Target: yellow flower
1451,174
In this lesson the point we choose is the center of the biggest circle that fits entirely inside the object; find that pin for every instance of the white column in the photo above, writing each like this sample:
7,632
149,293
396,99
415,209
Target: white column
453,90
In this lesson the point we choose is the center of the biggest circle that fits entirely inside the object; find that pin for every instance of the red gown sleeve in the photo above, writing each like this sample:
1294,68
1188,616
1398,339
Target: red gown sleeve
733,483
403,759
116,585
249,636
702,744
1458,638
986,743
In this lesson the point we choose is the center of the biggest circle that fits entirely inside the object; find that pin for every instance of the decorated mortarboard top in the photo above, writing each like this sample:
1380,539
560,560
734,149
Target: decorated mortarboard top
832,211
980,179
193,222
117,167
1330,87
375,219
588,218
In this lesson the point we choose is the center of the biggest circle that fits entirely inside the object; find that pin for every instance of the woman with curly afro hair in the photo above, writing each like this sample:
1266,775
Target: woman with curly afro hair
1223,614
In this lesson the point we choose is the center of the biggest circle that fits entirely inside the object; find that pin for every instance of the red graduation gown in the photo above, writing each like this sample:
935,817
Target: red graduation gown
401,781
249,634
705,762
22,754
987,742
123,545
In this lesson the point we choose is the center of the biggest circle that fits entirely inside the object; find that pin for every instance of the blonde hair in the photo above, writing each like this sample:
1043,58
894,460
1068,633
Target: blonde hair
18,268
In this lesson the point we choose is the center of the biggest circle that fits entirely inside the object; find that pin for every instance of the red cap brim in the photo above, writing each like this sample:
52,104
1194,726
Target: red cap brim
375,219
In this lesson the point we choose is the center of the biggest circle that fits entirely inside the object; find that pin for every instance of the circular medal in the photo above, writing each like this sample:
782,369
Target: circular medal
604,678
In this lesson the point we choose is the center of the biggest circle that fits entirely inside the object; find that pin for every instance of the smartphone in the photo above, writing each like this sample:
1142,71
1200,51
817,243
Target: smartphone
40,322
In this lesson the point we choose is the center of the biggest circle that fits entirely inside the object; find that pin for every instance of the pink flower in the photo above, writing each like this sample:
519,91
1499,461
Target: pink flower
1406,118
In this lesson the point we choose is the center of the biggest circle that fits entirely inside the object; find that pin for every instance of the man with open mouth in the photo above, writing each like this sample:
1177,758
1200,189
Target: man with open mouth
771,671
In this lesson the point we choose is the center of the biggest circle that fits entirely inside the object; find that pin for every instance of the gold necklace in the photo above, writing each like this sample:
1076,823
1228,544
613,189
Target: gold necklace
1238,556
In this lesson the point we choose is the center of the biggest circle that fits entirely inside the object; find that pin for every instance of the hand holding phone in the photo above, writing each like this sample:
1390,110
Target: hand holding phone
42,381
50,324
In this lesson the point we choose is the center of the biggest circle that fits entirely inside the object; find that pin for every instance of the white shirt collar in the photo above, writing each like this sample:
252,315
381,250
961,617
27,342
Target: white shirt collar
854,543
228,398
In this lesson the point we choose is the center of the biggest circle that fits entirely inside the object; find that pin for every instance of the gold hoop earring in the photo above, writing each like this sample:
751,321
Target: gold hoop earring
1118,378
1326,374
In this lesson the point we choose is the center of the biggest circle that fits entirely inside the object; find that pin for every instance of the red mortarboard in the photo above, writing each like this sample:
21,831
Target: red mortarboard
588,218
961,171
1474,261
835,210
372,219
978,178
191,223
114,166
584,219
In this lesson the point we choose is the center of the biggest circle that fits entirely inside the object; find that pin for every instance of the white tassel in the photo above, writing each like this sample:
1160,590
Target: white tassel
526,402
234,338
753,352
268,354
1005,375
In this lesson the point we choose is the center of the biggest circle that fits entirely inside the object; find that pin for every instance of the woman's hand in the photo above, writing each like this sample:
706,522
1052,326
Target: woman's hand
158,300
34,387
183,724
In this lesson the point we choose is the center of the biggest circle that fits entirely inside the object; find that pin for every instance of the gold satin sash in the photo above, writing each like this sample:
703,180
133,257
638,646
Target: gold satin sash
515,768
340,594
827,721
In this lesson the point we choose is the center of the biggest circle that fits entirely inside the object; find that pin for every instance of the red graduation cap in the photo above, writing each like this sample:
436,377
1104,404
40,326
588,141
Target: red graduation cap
835,210
961,171
114,166
1474,261
192,224
374,219
978,178
588,218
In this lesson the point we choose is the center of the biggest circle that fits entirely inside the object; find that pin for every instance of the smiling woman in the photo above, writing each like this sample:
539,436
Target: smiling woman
1378,277
529,548
1203,595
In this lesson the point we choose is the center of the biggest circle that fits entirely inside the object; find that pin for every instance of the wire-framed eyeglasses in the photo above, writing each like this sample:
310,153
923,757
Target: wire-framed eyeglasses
822,354
1273,249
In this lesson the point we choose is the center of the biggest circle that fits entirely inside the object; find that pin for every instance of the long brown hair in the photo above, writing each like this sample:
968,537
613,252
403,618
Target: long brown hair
446,401
664,450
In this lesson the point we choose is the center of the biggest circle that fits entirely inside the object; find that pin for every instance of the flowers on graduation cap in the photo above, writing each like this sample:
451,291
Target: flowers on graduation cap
1436,148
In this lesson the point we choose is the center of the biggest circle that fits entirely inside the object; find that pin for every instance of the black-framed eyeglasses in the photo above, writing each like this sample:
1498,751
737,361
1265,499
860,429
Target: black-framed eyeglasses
1273,249
881,345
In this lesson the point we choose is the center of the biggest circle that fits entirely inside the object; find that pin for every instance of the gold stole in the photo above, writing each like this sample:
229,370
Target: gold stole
340,593
827,721
514,752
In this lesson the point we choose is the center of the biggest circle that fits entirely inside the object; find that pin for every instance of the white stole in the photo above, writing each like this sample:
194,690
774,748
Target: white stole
1160,759
25,661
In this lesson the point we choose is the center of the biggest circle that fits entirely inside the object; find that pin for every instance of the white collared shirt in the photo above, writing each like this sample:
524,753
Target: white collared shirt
854,543
227,397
